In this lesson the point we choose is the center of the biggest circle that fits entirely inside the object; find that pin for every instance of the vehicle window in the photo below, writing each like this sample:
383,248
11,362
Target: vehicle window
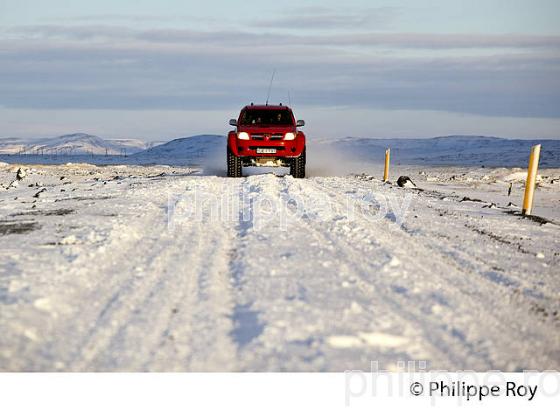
266,117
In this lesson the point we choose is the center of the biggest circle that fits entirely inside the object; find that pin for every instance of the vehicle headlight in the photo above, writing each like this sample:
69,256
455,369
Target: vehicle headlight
243,136
290,136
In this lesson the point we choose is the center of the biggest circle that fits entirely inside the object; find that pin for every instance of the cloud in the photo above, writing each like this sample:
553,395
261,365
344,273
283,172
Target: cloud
302,18
120,18
423,41
310,18
449,41
112,67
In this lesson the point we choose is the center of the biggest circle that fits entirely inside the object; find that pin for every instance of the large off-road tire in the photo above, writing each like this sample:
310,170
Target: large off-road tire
297,166
234,165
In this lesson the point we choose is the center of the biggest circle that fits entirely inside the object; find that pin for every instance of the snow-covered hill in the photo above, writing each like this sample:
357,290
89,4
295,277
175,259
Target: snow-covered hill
12,145
449,150
195,150
72,144
132,145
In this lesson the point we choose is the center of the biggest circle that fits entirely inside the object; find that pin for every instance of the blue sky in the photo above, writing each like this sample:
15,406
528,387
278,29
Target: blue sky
169,68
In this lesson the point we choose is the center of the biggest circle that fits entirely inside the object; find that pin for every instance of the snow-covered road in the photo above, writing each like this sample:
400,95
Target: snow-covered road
155,268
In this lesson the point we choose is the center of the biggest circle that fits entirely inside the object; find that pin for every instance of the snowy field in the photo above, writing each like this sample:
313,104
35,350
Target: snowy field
128,267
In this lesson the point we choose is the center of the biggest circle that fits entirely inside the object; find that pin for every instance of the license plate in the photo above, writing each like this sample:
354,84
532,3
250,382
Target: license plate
266,150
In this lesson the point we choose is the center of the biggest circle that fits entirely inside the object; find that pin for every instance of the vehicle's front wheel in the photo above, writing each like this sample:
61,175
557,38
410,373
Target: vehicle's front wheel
234,165
297,166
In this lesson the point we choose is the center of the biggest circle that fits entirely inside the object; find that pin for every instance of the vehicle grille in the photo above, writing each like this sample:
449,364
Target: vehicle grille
260,137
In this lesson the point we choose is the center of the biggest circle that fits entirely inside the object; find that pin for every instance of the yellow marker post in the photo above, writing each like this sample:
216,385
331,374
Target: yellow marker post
387,160
531,179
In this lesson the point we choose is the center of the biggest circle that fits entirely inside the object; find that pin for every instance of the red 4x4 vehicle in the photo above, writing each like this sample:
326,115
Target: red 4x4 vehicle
266,136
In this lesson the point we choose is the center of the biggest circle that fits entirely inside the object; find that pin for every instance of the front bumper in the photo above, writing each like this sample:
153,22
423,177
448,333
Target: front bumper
283,148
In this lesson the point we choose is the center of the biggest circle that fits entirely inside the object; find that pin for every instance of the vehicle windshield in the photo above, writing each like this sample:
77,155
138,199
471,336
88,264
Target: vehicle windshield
266,117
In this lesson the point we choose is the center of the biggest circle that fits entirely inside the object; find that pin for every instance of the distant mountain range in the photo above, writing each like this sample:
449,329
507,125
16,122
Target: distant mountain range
449,150
72,144
205,149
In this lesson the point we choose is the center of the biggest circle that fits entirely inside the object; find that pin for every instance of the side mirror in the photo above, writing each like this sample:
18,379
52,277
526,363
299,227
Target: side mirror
233,122
300,123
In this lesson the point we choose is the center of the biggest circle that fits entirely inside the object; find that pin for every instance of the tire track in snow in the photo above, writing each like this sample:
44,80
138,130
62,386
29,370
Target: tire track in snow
85,287
200,326
369,263
472,319
139,274
277,293
171,296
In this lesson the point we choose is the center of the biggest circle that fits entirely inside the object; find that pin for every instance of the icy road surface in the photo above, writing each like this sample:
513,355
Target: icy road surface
157,269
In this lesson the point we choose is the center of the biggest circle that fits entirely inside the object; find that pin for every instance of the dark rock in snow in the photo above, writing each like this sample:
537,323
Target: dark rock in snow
21,174
405,182
466,198
13,184
39,193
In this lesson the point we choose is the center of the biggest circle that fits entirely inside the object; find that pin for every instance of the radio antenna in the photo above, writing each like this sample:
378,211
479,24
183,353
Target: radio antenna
289,99
270,86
